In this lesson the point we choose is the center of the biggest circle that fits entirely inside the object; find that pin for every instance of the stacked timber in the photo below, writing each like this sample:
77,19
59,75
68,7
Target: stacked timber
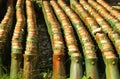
31,51
5,32
56,40
88,46
17,40
76,71
102,40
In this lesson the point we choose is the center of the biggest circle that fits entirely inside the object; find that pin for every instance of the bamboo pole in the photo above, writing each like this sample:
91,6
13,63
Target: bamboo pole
56,40
1,63
76,58
88,46
101,39
109,8
17,41
31,51
5,29
113,36
111,61
108,17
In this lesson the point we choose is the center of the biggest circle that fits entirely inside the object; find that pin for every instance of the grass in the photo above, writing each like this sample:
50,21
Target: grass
7,76
46,75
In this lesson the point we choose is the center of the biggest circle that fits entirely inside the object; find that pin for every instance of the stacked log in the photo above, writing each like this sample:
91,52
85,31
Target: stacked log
31,51
5,33
17,40
102,40
56,40
88,46
76,71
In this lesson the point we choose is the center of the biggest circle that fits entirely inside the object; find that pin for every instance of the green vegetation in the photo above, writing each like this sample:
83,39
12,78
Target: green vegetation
7,76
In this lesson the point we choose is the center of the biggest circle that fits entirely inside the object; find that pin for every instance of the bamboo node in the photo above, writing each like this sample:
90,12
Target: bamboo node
59,59
92,62
27,59
77,61
113,63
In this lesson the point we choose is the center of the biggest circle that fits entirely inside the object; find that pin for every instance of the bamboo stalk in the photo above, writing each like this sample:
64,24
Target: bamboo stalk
86,41
110,9
114,36
111,61
102,41
75,69
1,63
17,41
5,29
116,7
76,58
108,17
31,51
56,40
